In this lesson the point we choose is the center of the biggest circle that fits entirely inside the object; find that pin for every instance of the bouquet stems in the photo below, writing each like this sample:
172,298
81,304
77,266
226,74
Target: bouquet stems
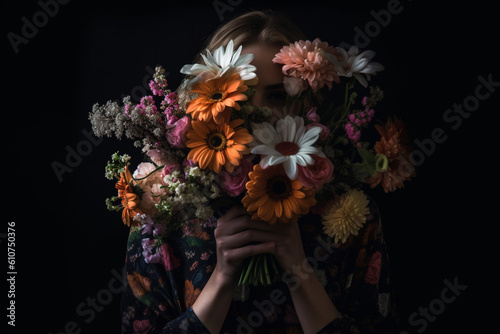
259,270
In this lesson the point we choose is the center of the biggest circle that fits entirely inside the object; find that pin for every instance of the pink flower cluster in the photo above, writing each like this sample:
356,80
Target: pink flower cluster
358,120
171,109
170,102
147,101
158,86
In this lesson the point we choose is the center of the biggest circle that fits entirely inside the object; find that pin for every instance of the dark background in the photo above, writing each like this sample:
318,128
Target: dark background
442,225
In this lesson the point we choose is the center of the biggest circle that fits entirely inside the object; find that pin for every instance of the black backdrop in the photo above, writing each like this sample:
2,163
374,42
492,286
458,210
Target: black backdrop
70,249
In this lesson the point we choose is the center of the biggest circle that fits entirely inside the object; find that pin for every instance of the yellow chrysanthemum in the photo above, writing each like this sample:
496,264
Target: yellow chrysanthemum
346,215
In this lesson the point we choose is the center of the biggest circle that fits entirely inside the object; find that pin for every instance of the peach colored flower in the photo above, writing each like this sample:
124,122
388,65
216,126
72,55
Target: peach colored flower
148,177
307,60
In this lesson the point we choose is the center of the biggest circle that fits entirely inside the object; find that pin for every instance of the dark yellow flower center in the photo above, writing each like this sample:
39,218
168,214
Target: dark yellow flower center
217,141
287,148
279,187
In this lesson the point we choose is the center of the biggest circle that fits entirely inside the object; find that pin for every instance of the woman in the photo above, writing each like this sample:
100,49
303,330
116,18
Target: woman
326,288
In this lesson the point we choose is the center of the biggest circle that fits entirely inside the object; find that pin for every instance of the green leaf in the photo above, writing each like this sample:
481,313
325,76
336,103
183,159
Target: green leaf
368,160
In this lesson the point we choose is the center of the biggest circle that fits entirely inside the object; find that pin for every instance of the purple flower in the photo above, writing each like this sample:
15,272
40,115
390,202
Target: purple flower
148,246
159,230
147,224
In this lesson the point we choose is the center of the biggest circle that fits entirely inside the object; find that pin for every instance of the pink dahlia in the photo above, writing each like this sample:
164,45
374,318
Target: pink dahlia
307,60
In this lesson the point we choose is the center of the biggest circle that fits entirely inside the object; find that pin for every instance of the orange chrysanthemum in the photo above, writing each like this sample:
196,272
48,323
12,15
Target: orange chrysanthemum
273,197
394,150
130,200
214,96
215,145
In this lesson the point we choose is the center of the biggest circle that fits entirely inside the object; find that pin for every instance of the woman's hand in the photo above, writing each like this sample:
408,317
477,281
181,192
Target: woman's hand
235,230
238,237
289,250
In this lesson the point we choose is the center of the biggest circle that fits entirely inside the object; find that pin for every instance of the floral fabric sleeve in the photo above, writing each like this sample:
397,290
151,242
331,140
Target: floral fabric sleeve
360,285
151,301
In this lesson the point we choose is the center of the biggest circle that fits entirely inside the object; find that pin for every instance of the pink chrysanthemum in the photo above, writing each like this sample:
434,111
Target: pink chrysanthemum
306,60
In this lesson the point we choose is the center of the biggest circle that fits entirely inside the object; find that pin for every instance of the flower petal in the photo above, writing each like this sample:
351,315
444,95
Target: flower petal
265,150
290,166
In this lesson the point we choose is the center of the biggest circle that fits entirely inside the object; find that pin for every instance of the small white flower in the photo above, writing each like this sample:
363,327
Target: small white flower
355,64
294,86
223,61
290,144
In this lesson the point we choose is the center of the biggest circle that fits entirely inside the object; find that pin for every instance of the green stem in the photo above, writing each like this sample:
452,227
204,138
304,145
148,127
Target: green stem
248,270
268,278
343,110
156,169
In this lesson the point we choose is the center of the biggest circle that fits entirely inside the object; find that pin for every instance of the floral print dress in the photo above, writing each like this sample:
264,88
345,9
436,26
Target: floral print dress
157,297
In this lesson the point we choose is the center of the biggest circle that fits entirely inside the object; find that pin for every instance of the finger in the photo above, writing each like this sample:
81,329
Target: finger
239,254
239,224
235,212
245,237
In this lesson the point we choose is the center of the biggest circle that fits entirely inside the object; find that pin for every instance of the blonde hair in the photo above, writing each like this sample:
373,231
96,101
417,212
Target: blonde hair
264,27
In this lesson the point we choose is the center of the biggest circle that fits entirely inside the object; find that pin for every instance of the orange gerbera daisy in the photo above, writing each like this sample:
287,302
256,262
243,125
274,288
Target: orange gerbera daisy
215,145
214,96
394,153
130,200
273,197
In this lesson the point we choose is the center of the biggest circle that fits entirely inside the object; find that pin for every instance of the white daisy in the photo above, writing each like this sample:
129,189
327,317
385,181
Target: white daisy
290,143
354,64
223,61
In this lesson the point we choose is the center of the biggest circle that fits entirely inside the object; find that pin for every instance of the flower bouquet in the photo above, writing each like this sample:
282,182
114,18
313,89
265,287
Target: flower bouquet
209,148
